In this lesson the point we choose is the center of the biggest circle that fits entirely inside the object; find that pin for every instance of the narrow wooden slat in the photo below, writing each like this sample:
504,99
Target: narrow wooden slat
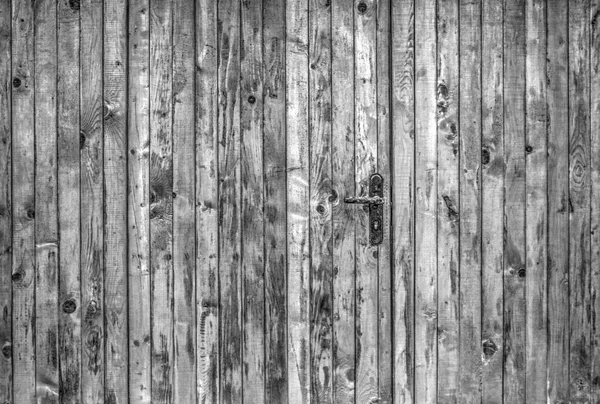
274,143
320,235
298,201
115,188
252,205
384,159
365,143
69,143
558,203
23,203
138,203
514,209
344,225
448,198
207,236
536,205
492,200
184,225
46,201
425,332
161,200
579,200
229,212
470,363
5,205
403,177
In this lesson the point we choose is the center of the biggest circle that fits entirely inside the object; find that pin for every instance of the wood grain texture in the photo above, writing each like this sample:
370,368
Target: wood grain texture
46,205
470,348
69,143
115,188
579,198
514,207
426,193
403,191
207,230
536,204
492,200
184,196
274,198
252,202
161,200
448,254
558,203
229,209
138,203
23,202
298,202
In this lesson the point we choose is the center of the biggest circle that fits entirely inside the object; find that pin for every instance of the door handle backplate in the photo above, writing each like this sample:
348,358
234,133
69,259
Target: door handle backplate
374,203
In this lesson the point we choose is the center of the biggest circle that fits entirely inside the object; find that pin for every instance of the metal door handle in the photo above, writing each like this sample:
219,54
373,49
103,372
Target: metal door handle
374,203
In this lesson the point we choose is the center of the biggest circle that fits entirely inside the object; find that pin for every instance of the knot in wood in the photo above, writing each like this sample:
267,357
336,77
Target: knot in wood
16,82
489,348
69,306
521,272
17,277
528,149
30,213
362,7
7,350
252,99
485,156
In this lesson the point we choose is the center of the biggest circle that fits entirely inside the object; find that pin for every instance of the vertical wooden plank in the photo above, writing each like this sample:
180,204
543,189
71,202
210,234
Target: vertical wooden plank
403,127
298,202
425,204
579,198
321,248
230,349
161,200
6,357
448,198
252,205
46,201
558,203
184,225
470,204
207,236
343,177
384,157
536,206
365,144
514,209
492,200
23,202
69,143
138,205
115,188
275,200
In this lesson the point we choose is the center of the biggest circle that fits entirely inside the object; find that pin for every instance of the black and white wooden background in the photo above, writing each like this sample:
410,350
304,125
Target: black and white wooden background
172,224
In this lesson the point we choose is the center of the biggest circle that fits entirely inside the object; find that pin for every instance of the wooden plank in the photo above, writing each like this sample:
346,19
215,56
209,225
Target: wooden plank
46,205
320,235
384,159
207,236
69,142
298,202
365,144
403,177
514,209
274,152
448,198
469,207
425,330
230,297
252,204
115,188
6,358
184,225
579,198
558,203
536,204
492,200
161,200
23,203
343,178
138,216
